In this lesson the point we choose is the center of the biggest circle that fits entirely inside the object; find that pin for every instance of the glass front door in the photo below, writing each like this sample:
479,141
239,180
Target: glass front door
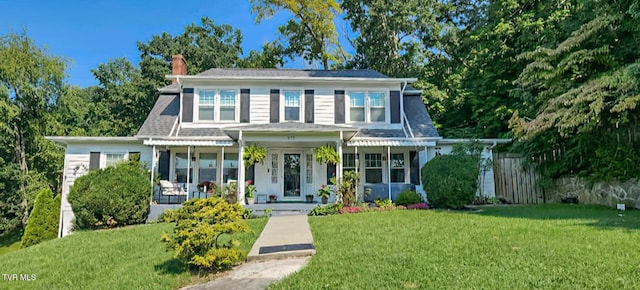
292,175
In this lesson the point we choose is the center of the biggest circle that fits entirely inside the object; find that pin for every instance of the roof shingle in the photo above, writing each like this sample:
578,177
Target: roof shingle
163,115
418,117
292,73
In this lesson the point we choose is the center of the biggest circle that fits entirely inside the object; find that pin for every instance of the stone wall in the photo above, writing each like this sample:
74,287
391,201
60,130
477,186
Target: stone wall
601,193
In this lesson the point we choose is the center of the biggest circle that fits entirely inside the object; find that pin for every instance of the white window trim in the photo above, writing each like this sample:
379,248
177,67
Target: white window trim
282,104
216,104
367,106
103,157
382,167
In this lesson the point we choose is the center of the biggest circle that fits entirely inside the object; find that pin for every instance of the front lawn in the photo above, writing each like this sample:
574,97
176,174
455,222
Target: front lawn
126,258
10,242
550,247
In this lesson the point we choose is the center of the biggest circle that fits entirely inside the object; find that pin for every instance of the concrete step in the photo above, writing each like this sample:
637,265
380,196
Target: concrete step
284,236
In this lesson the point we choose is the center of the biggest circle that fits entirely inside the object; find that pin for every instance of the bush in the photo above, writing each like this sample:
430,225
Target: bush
326,209
346,188
451,180
110,197
44,219
197,237
408,197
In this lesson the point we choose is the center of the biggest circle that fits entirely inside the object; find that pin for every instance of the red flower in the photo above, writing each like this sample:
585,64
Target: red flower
249,182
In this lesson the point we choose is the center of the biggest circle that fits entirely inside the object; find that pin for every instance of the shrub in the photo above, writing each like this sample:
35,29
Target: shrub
346,188
421,205
326,209
44,219
197,237
110,197
451,180
408,197
383,203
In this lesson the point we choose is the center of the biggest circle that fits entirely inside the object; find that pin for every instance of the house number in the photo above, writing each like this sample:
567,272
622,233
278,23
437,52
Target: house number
291,137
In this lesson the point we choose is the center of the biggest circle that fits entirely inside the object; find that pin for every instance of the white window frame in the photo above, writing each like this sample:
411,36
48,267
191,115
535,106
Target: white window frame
104,157
282,104
355,162
367,106
381,168
216,104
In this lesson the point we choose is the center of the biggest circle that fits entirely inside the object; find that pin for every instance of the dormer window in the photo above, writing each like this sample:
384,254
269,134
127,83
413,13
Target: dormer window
217,105
367,107
292,105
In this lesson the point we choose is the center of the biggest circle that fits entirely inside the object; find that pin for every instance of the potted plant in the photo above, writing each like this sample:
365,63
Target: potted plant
324,192
309,198
327,154
253,154
272,198
249,192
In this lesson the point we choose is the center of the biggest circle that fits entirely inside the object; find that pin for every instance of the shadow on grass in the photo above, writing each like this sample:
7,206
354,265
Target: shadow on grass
172,267
597,216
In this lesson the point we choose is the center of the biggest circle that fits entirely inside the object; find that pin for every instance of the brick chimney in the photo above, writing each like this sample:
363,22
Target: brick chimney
178,66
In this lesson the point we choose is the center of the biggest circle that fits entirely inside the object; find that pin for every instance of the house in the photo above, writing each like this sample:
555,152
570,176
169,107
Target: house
201,124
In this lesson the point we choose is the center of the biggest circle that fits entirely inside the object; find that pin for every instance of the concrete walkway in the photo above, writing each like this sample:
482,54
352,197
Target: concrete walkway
285,236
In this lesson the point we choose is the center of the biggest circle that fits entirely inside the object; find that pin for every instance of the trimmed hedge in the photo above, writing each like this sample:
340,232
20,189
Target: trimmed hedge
111,197
43,220
408,197
451,181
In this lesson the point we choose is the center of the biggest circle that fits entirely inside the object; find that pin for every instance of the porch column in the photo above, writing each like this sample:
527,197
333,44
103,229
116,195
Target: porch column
339,150
188,168
153,166
240,169
357,170
389,169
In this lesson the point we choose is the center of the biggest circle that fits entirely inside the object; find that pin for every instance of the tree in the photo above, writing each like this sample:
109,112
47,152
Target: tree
271,56
312,33
204,46
44,219
30,82
584,96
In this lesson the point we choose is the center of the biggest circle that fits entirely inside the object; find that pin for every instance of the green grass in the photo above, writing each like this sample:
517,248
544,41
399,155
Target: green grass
10,243
126,258
550,247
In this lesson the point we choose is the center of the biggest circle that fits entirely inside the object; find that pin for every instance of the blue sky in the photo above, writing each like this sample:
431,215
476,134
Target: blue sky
89,33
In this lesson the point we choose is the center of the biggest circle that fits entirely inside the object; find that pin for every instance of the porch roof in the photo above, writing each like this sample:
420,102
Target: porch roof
188,142
393,142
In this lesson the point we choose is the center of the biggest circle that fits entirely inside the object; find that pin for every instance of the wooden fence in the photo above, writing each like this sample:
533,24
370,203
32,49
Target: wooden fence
516,182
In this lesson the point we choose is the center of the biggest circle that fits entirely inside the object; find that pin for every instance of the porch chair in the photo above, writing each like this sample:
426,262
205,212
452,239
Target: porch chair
169,189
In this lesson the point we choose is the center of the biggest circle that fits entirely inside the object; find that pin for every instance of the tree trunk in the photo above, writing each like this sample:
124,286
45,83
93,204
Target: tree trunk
21,159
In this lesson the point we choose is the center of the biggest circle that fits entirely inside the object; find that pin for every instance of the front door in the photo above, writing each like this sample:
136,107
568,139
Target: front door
292,175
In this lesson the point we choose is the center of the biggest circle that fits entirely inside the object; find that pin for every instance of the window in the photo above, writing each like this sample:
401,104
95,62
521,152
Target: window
206,108
227,105
356,107
397,167
230,164
181,168
309,168
376,107
113,158
207,167
367,107
292,106
274,168
373,167
348,162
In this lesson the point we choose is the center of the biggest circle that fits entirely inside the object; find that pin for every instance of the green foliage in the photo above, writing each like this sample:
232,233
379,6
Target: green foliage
44,219
253,154
324,191
451,181
113,196
328,209
327,154
247,214
230,192
346,188
408,197
311,33
197,236
383,203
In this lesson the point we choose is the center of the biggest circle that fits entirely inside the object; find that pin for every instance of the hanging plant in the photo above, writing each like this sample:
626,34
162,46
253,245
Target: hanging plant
253,154
327,154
